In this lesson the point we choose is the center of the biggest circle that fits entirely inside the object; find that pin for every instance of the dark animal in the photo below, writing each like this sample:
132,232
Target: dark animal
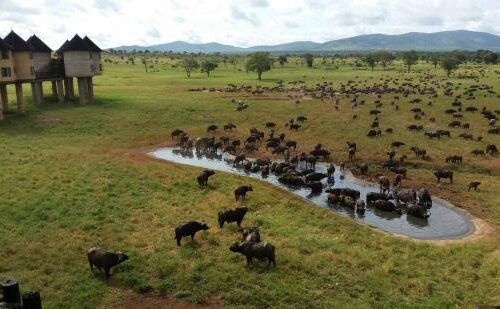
241,192
103,259
384,184
473,185
491,149
330,171
397,180
371,197
442,173
315,176
212,128
360,206
363,168
259,250
189,229
478,152
417,210
397,144
203,177
315,186
251,234
424,198
231,215
386,206
239,159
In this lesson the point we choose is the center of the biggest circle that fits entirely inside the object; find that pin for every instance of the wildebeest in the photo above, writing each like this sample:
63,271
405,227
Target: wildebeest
491,149
397,144
442,173
241,192
176,133
232,215
323,153
473,185
230,126
104,260
397,180
212,128
363,168
355,194
398,170
453,159
189,229
203,177
259,250
360,206
311,160
239,159
315,176
478,152
292,180
405,195
330,171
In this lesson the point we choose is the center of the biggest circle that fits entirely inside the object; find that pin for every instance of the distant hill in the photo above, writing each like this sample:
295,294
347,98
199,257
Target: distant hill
438,41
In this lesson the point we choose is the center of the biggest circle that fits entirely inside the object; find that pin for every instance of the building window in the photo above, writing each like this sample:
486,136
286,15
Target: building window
4,54
6,72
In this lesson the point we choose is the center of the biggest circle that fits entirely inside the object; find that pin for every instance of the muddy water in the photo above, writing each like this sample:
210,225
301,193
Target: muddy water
444,223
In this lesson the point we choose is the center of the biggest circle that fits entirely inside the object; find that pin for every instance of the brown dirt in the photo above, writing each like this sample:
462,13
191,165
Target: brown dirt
47,120
147,301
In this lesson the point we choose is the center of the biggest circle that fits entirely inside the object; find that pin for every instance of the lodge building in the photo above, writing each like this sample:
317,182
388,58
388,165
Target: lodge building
32,61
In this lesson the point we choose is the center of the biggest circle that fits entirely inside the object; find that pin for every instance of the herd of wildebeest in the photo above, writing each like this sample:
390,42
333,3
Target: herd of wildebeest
297,168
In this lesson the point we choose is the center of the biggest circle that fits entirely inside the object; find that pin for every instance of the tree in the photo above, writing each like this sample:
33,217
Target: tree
190,64
145,62
207,66
282,60
309,60
449,63
384,57
409,58
435,60
371,60
259,62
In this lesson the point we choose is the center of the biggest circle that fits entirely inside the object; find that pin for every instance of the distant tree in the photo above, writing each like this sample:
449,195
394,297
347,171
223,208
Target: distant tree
449,63
371,60
259,62
145,62
435,60
207,66
282,60
409,58
384,57
190,64
309,60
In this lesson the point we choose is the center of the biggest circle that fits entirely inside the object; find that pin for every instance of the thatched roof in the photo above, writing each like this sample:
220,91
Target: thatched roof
17,43
4,45
38,45
92,45
79,44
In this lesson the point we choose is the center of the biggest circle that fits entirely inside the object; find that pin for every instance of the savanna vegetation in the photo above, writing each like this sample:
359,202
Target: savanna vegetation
73,177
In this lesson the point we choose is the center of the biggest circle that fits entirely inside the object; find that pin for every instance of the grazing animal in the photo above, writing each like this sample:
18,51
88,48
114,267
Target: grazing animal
189,229
232,215
212,128
241,192
491,149
474,185
398,170
352,153
478,152
397,144
101,258
259,250
442,173
203,177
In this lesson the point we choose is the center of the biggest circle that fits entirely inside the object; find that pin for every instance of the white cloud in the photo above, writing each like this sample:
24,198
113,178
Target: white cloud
239,22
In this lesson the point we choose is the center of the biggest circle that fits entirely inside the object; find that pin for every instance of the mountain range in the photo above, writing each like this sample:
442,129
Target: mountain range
437,41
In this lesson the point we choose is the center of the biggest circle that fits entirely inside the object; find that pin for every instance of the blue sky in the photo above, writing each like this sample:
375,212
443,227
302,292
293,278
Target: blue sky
244,23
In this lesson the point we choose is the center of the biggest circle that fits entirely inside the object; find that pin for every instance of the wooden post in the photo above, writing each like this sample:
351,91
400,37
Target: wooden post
4,98
21,109
83,90
1,104
54,88
60,91
71,88
90,84
37,93
68,88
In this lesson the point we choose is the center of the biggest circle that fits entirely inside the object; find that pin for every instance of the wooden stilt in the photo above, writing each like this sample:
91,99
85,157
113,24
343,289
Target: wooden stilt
83,90
54,88
21,109
90,84
60,91
4,98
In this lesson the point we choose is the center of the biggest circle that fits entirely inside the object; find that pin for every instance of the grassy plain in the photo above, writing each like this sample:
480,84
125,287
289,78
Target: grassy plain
73,177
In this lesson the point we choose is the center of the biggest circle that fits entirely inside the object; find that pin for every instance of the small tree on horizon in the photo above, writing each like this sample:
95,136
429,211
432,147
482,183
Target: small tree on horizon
207,66
409,58
449,63
309,60
259,62
190,64
371,60
384,57
282,60
145,62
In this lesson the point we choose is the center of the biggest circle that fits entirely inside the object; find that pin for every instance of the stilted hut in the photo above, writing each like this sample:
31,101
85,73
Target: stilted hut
6,74
82,59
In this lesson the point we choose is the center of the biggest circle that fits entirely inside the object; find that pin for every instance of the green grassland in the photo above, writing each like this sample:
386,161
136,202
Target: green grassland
70,179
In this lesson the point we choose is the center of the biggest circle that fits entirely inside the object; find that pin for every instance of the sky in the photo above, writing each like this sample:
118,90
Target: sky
112,23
